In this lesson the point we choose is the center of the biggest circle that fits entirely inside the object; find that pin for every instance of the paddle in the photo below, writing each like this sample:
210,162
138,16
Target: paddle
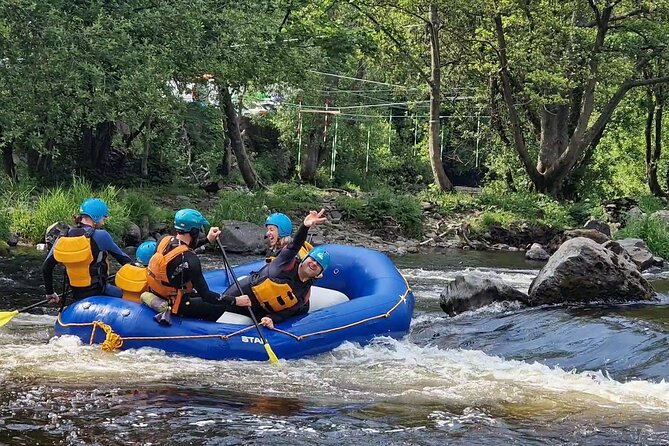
6,316
272,357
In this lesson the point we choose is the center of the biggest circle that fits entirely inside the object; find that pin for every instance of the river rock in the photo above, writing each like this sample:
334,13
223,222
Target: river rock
598,226
636,250
592,234
242,237
133,235
474,291
582,270
13,239
633,214
536,252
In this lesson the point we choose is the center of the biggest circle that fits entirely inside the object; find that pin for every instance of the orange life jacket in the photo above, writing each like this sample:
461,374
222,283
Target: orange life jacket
168,249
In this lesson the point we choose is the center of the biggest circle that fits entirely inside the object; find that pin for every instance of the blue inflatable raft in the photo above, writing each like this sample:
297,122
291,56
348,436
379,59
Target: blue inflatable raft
362,295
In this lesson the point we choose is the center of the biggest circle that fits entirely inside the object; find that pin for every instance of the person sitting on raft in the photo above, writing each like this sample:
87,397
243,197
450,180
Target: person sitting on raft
83,249
281,289
279,230
175,276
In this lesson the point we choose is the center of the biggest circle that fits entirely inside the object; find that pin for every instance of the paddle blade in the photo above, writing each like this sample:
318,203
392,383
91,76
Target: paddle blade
6,316
272,357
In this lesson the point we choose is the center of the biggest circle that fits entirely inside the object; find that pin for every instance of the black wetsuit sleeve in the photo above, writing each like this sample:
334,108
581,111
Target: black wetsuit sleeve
289,252
201,242
47,272
199,284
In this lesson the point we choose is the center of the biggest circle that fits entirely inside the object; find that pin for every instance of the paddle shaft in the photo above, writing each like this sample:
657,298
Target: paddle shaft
239,288
36,304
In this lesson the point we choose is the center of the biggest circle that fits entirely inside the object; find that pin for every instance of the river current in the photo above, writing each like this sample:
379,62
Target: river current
499,375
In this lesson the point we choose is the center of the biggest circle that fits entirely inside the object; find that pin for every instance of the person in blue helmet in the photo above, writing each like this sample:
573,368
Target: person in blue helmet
281,289
83,250
175,274
279,229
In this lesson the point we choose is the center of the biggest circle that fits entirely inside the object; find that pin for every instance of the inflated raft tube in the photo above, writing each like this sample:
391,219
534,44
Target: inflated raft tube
364,296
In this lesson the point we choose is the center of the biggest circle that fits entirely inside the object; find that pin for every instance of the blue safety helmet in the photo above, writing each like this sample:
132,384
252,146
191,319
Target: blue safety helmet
282,222
320,255
145,251
187,219
94,208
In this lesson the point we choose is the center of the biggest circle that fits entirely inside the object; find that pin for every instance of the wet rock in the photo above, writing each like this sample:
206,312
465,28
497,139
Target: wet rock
583,271
537,252
133,235
13,239
474,291
242,237
636,250
598,226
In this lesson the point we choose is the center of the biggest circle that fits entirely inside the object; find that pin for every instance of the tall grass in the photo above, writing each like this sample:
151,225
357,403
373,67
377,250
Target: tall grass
653,231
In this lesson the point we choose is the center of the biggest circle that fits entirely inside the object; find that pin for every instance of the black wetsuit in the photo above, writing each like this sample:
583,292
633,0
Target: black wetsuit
283,268
202,303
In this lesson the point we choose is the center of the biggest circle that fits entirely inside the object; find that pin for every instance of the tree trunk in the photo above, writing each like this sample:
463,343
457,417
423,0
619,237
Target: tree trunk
314,149
8,162
436,162
246,168
147,146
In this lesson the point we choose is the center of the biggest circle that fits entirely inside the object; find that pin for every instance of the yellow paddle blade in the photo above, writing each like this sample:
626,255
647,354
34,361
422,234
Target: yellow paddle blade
272,357
6,316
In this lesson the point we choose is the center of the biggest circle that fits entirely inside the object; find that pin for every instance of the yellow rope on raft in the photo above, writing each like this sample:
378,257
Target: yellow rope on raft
114,341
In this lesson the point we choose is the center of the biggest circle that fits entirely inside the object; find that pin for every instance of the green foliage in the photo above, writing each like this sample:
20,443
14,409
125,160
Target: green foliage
653,231
383,209
650,204
5,223
241,206
291,197
62,204
141,208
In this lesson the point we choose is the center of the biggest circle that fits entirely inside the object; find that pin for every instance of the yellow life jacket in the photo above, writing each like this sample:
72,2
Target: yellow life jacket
273,295
168,249
76,253
131,279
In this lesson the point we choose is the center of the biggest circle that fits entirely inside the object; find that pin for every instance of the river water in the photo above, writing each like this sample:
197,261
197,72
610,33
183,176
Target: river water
495,376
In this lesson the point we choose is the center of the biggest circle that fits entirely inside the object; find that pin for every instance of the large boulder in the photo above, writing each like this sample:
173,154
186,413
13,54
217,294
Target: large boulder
582,270
636,249
592,234
474,291
243,237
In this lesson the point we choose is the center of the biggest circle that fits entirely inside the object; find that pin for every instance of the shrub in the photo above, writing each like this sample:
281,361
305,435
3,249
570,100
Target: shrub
242,206
290,197
374,211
